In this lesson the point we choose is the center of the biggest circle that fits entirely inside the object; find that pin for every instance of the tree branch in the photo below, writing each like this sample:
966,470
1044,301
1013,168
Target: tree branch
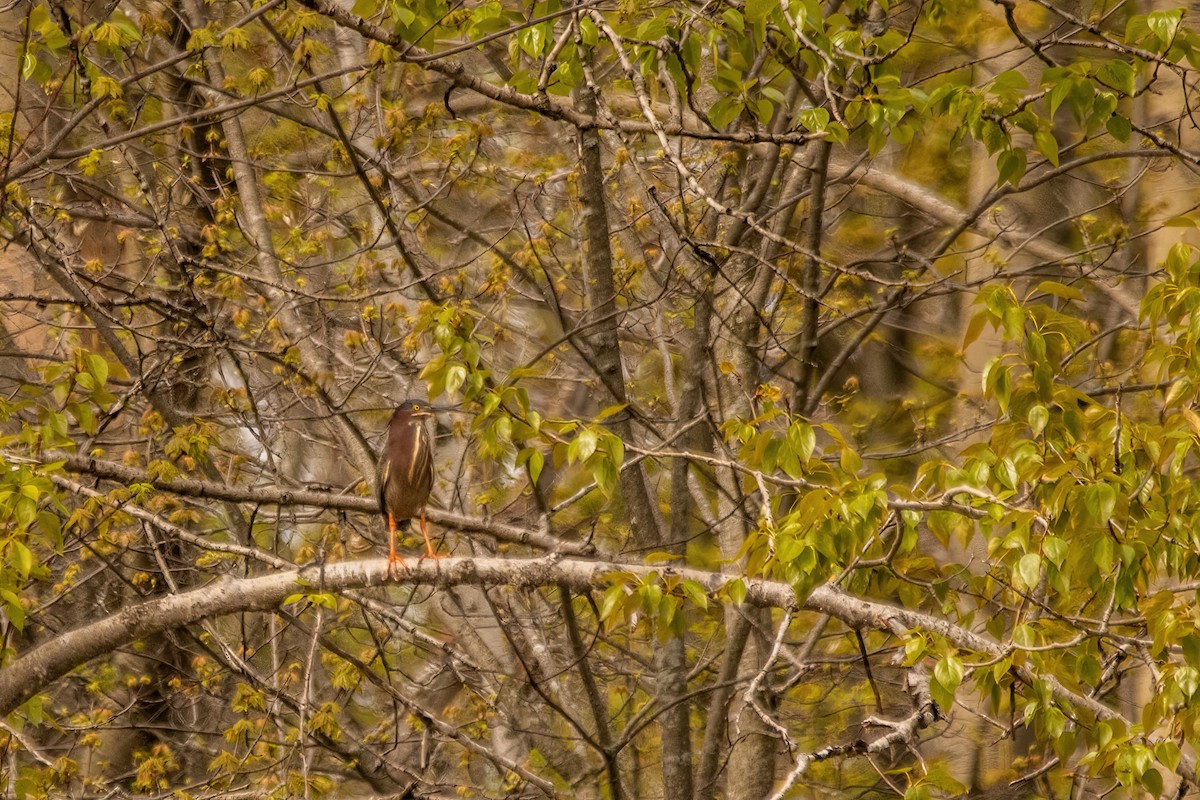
40,667
192,487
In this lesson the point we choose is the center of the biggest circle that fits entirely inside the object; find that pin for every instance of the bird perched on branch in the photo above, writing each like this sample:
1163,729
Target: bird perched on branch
405,474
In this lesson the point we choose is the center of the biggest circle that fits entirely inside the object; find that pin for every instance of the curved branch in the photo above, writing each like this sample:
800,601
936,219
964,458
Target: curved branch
37,669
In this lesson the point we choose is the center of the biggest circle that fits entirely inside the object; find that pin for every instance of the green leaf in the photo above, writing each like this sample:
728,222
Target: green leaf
1119,128
604,473
247,698
1168,754
614,598
98,367
914,649
1090,670
1064,743
29,65
1006,472
974,328
695,592
13,608
128,28
737,591
1103,108
996,381
757,10
655,27
1011,166
20,557
1165,24
401,13
652,596
1028,573
488,405
324,599
50,527
502,429
1059,93
949,671
1117,74
1099,500
1056,550
609,411
1038,417
1010,81
89,163
582,447
1082,97
615,449
837,133
1188,680
316,598
734,19
802,439
762,109
918,791
34,709
1047,145
947,675
1152,780
52,35
1060,290
815,119
994,137
725,111
773,94
456,376
589,32
1104,554
536,462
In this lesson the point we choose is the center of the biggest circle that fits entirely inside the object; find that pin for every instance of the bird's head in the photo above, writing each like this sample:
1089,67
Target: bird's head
416,408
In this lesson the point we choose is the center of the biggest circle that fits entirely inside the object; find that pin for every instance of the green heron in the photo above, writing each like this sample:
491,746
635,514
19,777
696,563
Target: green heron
405,474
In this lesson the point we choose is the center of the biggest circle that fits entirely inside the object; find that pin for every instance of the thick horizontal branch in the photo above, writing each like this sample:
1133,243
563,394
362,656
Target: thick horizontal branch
582,575
270,495
36,670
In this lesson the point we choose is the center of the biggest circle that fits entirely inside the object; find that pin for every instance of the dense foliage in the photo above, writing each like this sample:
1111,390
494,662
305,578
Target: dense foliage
823,384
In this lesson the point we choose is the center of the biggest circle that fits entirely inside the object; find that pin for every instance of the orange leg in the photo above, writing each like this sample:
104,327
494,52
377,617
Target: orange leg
393,557
430,552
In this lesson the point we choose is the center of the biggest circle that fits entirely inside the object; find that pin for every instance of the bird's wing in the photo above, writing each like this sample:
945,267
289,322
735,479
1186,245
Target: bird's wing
381,478
423,465
419,458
